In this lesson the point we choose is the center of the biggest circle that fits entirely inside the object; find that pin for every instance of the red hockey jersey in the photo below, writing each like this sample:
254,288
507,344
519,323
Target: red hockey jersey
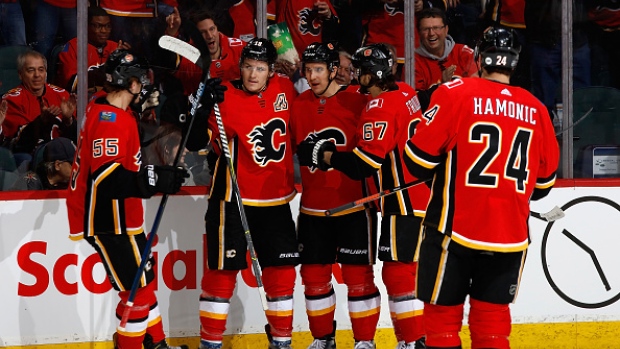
302,20
67,69
428,70
385,125
260,144
243,13
490,146
109,138
335,118
388,26
24,107
225,68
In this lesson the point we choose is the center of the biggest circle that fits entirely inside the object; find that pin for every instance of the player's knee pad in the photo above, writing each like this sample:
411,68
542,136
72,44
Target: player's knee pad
399,278
443,324
489,324
360,279
219,283
316,278
279,281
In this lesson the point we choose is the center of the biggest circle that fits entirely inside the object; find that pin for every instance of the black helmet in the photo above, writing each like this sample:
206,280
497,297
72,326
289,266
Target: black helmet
260,49
318,52
375,59
498,48
122,65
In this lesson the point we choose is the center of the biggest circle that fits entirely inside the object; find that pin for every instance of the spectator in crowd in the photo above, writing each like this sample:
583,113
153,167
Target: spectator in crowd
511,14
464,17
52,170
225,52
387,25
36,111
141,22
438,59
480,160
604,39
99,48
49,16
543,20
12,26
346,73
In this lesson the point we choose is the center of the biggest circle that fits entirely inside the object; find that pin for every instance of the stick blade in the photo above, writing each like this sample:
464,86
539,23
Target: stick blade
181,48
553,215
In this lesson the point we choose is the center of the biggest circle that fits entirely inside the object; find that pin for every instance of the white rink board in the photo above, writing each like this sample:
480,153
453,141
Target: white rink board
45,298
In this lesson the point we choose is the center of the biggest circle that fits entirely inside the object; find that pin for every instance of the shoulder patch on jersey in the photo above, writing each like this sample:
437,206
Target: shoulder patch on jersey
232,42
107,116
375,103
56,88
14,92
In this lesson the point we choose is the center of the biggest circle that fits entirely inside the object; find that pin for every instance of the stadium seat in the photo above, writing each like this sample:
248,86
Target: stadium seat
8,67
8,169
599,131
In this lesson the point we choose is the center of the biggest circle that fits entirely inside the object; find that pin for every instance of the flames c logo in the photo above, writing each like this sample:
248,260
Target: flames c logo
309,22
398,7
263,139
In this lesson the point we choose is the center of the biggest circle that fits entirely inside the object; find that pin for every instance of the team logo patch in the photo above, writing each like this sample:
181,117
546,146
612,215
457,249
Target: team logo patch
375,103
107,116
309,22
506,92
396,8
231,253
267,145
367,52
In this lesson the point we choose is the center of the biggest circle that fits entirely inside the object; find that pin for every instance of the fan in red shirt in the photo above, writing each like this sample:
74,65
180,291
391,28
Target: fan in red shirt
489,148
389,119
99,48
225,52
438,59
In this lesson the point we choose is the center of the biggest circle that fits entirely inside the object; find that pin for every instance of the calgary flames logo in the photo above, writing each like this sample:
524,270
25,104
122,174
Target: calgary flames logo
264,144
309,22
393,9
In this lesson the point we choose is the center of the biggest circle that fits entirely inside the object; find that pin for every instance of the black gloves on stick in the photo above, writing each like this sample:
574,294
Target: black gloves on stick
310,153
165,179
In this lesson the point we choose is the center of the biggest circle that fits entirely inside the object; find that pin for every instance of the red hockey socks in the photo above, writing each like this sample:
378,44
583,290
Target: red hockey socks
320,298
279,283
131,337
364,300
217,289
405,310
489,324
443,324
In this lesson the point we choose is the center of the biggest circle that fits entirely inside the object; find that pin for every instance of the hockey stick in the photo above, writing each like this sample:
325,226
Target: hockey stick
553,215
160,212
374,197
193,54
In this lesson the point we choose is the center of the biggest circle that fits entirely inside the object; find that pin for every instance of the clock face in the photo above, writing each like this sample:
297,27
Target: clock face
581,253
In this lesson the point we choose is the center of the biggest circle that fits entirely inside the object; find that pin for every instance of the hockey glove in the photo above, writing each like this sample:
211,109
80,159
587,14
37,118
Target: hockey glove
213,93
146,100
165,179
310,153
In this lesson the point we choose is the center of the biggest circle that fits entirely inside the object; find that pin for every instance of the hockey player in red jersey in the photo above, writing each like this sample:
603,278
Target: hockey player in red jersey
389,119
331,111
255,113
104,202
490,149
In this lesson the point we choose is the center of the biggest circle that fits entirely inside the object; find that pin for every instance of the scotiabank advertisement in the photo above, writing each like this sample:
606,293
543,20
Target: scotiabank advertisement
55,290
